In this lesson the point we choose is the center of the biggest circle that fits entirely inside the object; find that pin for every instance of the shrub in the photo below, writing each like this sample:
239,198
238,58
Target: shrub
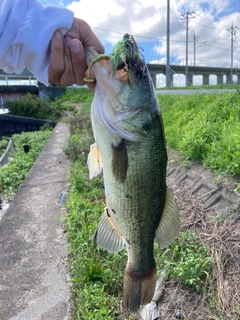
33,106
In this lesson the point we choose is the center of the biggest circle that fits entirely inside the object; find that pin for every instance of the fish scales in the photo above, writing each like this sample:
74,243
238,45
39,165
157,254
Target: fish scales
130,151
133,196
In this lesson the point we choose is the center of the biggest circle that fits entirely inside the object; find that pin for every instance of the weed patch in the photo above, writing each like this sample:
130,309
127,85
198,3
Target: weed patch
205,128
96,275
12,175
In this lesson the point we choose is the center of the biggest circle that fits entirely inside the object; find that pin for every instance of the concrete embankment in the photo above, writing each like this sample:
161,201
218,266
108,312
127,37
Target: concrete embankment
33,247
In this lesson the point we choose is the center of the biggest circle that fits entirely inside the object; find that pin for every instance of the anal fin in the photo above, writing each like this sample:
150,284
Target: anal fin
106,236
170,224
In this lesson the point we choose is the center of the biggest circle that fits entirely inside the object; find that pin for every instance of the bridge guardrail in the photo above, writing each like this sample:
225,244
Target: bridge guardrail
197,63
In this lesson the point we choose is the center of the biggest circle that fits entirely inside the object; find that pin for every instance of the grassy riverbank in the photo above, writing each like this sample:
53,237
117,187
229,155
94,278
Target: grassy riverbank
199,269
13,174
190,261
205,128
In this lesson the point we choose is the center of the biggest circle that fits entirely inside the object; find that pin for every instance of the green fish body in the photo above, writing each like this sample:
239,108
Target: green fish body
130,151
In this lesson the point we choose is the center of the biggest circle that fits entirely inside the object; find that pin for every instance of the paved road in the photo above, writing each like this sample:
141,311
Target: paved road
33,248
193,91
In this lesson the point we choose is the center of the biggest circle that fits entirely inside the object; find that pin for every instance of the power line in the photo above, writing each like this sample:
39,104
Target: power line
143,37
177,6
174,13
209,26
220,26
177,19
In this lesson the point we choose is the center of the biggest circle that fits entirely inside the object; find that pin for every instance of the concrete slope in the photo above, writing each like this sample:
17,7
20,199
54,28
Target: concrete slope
33,269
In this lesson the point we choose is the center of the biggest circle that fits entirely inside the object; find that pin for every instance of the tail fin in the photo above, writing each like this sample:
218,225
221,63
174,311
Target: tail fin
138,289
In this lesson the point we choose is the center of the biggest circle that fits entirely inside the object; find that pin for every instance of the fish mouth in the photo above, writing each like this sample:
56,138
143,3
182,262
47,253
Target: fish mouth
127,62
127,56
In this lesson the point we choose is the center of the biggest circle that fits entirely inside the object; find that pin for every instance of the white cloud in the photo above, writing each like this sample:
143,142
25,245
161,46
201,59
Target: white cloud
147,18
95,12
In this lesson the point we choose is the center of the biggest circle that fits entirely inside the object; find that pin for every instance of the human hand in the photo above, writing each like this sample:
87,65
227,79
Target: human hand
67,60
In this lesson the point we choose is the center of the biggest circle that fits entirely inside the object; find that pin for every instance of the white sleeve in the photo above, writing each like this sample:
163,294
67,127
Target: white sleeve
26,29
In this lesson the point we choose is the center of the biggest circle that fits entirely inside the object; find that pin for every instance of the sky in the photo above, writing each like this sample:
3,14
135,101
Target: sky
211,24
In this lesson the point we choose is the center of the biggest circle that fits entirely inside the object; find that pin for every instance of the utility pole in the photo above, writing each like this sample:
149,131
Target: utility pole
168,79
186,16
232,30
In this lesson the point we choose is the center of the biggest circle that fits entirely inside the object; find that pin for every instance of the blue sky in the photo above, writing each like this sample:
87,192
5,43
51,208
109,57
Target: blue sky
210,26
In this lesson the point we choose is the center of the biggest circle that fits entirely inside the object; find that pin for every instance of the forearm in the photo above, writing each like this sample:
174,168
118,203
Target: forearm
26,29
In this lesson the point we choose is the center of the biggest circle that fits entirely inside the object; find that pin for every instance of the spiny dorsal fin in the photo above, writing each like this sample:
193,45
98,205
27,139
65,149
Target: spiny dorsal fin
106,236
170,224
94,161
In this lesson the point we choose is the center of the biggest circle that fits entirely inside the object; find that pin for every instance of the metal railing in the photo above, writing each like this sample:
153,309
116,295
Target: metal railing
197,63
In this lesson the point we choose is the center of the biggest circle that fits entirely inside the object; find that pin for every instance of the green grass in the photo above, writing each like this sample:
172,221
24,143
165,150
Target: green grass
76,95
207,86
188,261
3,146
12,175
205,128
97,276
33,106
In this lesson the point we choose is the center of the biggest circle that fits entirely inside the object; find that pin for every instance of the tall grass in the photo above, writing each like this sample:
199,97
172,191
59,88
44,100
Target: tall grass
96,275
205,128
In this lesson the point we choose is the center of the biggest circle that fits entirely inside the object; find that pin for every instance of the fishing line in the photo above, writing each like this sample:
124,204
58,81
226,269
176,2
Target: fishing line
206,90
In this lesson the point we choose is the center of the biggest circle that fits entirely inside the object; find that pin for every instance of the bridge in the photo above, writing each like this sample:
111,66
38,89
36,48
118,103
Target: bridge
25,75
156,67
205,72
18,90
203,68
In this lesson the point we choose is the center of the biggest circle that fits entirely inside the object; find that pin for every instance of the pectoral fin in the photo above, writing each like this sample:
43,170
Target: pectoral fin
94,161
106,236
170,224
120,161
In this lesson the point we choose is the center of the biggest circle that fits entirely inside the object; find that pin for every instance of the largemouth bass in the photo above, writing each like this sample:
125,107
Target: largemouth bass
130,152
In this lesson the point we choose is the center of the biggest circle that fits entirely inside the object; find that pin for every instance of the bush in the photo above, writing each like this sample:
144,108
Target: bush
33,106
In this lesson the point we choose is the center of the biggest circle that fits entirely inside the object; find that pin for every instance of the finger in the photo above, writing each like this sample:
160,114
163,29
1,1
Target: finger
89,39
91,85
56,66
78,60
82,31
67,77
